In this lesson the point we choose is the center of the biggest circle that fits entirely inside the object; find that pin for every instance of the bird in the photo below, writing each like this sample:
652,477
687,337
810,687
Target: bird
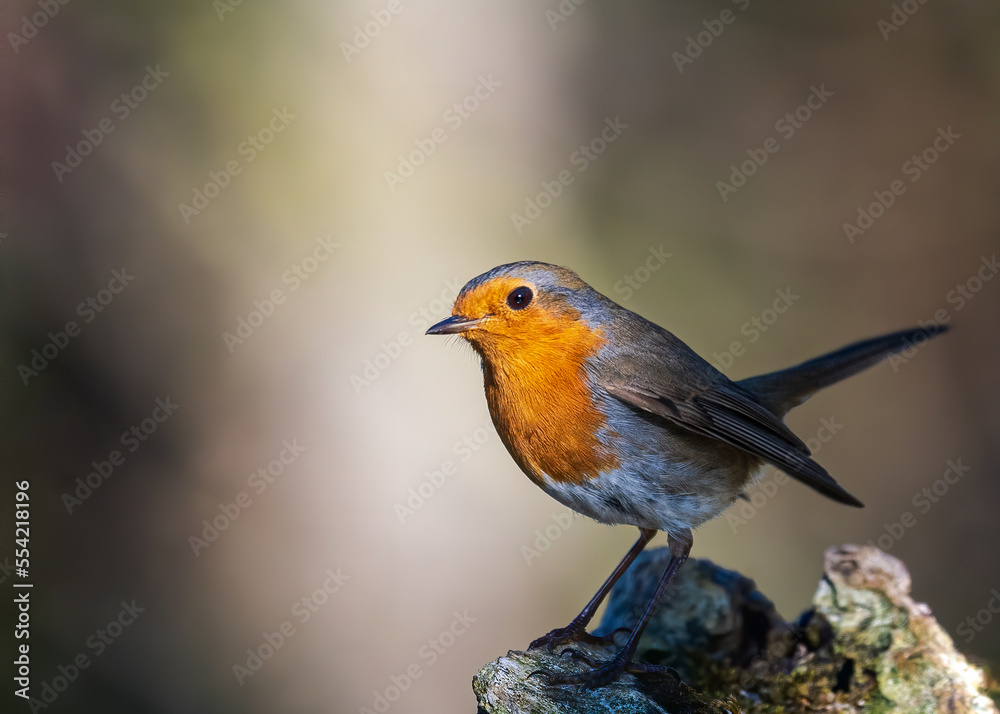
618,419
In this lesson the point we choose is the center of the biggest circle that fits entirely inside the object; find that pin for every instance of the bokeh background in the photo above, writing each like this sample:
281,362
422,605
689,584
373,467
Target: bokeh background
341,366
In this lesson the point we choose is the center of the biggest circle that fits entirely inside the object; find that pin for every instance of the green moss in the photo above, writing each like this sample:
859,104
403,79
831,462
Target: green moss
864,647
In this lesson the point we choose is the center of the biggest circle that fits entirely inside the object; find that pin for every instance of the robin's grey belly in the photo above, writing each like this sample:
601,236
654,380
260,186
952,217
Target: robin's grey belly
678,496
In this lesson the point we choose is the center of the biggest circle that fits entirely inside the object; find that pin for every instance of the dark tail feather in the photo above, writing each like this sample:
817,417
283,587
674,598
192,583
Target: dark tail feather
784,390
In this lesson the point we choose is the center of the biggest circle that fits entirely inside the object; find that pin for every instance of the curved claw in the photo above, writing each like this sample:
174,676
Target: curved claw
577,655
547,641
558,636
598,677
607,673
563,635
542,672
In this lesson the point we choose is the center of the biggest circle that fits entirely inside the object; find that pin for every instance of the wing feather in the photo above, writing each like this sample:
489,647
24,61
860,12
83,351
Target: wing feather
725,413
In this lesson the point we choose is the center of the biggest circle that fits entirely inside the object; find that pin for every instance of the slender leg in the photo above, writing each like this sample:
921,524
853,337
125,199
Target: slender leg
577,629
680,547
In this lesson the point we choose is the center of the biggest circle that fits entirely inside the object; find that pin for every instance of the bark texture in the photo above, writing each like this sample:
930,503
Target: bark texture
863,646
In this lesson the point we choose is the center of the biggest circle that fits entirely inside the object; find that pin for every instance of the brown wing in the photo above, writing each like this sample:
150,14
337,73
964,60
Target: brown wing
726,412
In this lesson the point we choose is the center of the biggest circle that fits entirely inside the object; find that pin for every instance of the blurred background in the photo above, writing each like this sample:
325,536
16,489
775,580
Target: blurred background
256,486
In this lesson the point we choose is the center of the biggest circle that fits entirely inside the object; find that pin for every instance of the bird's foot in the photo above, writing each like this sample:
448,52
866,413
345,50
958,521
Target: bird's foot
602,675
572,633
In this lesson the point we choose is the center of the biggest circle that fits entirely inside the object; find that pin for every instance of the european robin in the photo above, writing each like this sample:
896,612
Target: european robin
618,419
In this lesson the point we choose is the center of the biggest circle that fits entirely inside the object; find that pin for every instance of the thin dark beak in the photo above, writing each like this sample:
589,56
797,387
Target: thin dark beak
453,325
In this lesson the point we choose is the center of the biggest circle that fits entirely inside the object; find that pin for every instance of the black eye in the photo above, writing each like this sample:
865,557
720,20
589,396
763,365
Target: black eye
520,298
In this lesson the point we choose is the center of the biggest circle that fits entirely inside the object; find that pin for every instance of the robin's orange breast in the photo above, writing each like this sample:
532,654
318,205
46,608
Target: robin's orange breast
542,404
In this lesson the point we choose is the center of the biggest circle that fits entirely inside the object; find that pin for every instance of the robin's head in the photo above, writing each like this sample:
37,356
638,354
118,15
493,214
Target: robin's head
520,304
536,327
